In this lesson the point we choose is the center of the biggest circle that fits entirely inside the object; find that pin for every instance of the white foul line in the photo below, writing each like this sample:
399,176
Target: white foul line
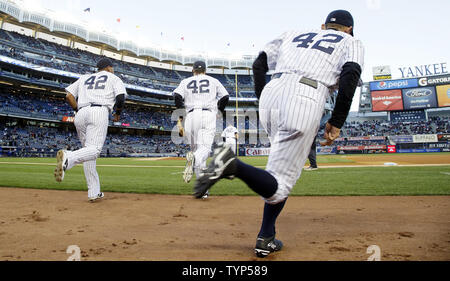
320,167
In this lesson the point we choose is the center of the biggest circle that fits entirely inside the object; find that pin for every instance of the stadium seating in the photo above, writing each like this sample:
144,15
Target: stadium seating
31,141
81,61
45,141
54,108
383,128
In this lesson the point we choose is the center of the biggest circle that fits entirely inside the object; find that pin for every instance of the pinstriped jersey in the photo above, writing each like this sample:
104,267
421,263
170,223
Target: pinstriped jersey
201,92
229,132
315,54
98,88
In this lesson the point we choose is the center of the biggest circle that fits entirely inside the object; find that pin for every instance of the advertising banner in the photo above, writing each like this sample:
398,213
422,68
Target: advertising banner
417,98
392,149
411,115
435,80
444,137
257,151
362,147
423,150
401,139
443,95
387,100
366,138
439,145
424,138
393,84
382,72
68,119
326,150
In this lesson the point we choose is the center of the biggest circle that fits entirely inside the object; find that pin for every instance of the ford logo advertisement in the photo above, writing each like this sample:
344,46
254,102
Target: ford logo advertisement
419,98
393,84
417,93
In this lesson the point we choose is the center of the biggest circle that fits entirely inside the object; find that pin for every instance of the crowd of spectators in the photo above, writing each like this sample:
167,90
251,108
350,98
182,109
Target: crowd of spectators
45,106
384,128
57,55
45,141
35,141
55,108
31,140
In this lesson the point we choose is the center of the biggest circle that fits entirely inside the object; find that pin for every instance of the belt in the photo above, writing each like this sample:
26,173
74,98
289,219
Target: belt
204,109
309,82
91,105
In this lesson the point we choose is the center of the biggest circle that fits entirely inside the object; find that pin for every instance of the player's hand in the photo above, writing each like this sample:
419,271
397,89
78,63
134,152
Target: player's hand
180,128
116,118
330,135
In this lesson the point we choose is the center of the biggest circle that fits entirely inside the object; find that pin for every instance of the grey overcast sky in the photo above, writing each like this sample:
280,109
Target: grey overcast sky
398,33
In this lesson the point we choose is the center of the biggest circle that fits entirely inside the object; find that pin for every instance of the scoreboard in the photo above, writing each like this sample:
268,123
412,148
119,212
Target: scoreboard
410,94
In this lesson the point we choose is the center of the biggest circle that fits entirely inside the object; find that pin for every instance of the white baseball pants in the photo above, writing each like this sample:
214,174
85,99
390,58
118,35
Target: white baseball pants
290,112
200,129
231,142
92,127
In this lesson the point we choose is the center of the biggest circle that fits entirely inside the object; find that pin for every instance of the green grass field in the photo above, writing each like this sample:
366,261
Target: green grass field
165,177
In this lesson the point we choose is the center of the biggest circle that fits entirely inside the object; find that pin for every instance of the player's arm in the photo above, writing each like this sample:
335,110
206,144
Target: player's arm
178,96
222,103
266,60
121,94
223,96
72,101
236,136
72,95
118,107
260,68
223,135
348,81
179,104
180,126
179,101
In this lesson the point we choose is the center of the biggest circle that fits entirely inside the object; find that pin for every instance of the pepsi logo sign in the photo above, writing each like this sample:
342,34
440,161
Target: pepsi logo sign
393,84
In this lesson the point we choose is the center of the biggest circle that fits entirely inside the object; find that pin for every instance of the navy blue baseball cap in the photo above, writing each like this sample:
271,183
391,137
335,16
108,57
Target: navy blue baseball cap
341,17
104,63
199,65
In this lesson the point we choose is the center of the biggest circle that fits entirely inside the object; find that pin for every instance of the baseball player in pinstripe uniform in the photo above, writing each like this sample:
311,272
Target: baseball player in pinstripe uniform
230,136
306,65
93,97
202,96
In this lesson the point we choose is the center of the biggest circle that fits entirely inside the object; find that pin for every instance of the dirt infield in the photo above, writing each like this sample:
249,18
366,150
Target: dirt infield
41,224
400,159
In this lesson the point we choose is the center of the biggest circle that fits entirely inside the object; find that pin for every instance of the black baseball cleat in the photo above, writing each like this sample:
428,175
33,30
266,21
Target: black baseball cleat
265,246
222,165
